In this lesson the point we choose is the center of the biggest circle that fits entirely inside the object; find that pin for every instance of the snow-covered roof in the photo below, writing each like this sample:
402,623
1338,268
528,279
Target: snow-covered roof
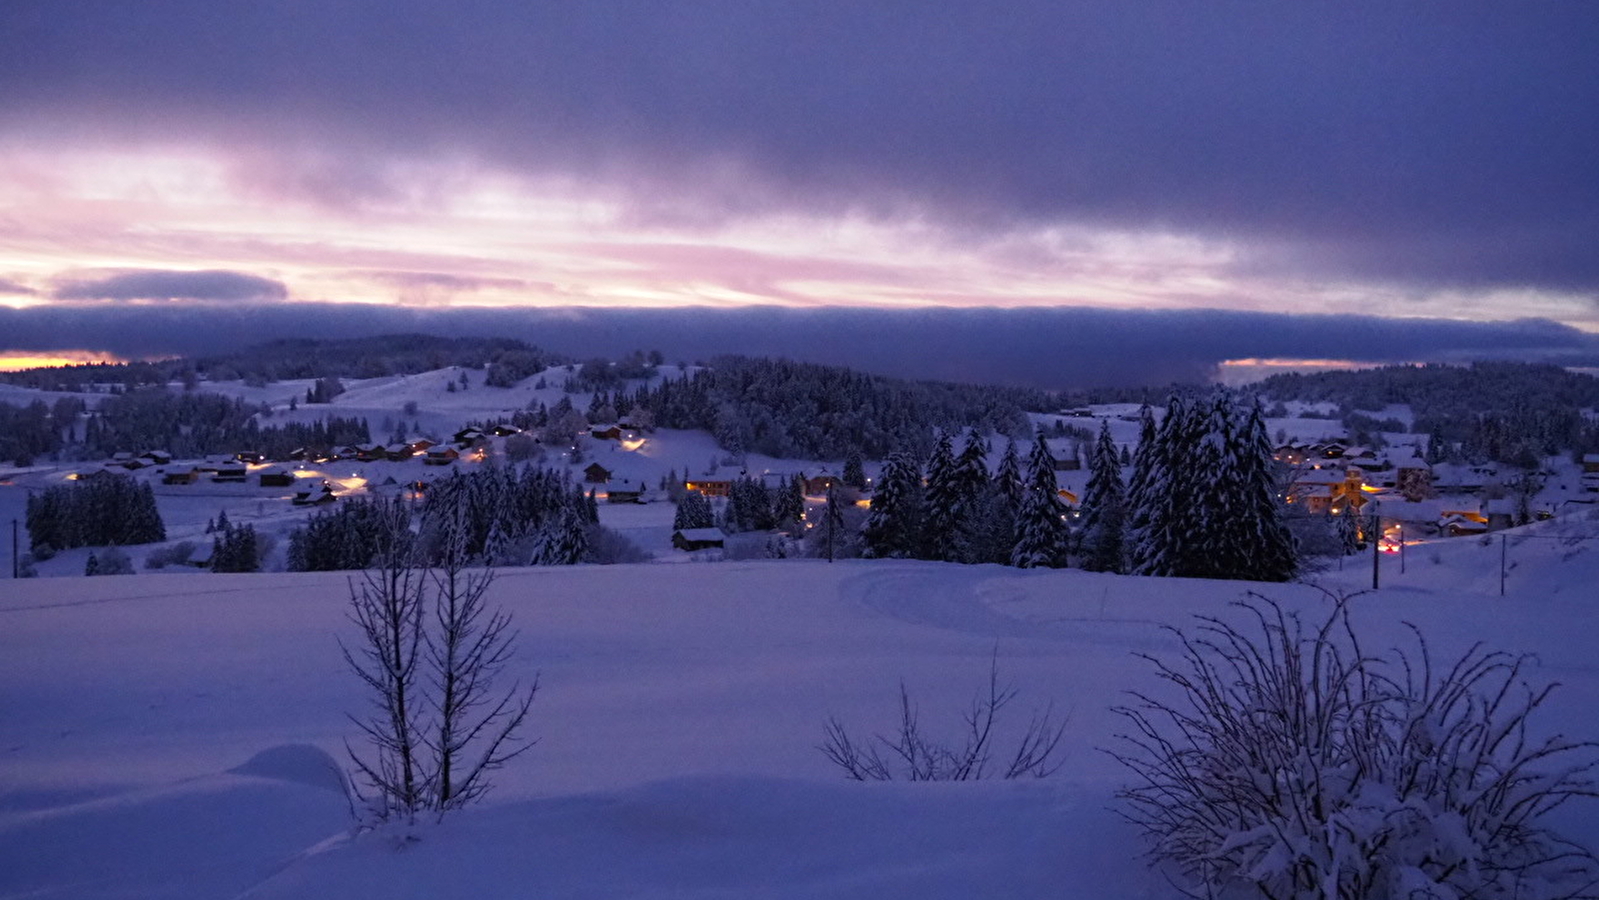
702,534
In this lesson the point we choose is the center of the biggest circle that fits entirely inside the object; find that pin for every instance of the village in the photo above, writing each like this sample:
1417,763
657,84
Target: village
636,472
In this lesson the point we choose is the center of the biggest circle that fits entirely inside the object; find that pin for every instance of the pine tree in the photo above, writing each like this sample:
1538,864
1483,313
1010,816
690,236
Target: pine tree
693,511
1042,536
1104,509
1008,477
1269,550
894,526
789,508
92,567
1147,471
943,502
854,471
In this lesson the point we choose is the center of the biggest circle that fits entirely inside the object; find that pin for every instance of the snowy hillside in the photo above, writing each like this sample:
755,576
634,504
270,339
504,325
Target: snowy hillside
165,736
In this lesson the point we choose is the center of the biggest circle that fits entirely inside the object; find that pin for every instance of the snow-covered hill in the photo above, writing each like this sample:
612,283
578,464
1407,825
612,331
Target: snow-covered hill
165,736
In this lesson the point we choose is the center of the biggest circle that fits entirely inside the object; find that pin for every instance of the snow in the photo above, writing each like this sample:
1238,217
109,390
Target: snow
169,736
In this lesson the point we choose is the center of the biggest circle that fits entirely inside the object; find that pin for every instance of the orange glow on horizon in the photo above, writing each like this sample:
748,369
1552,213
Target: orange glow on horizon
16,362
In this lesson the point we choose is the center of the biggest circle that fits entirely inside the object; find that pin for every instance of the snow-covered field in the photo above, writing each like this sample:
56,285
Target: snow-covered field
164,736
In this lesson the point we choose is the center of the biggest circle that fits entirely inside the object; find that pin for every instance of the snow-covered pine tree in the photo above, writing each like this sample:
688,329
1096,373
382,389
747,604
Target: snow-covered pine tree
1042,536
893,529
974,516
1148,469
788,509
943,502
1008,477
854,471
1104,509
1270,553
693,511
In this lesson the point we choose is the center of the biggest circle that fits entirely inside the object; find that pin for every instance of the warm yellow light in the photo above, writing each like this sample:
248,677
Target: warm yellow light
633,445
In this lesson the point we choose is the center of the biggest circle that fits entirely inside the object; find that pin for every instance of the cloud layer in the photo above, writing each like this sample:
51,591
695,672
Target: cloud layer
1435,146
1048,348
170,285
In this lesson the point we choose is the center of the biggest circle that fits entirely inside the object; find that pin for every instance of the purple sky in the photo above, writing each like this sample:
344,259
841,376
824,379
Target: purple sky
1422,160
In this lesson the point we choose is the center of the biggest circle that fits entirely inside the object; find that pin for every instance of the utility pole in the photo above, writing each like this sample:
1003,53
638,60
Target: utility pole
1376,547
1502,544
1401,548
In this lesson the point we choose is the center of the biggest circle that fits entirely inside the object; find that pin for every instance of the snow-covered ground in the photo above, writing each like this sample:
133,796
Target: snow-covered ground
165,736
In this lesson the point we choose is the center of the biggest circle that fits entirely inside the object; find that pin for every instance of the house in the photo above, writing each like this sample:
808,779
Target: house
441,455
313,494
466,437
1067,463
1460,524
692,539
348,451
710,487
276,476
232,472
503,430
127,461
370,452
156,458
398,452
1501,513
421,444
817,485
627,494
180,475
250,456
606,432
298,454
595,473
93,472
1329,490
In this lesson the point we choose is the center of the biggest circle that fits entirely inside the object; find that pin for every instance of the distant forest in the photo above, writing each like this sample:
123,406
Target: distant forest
509,361
1487,410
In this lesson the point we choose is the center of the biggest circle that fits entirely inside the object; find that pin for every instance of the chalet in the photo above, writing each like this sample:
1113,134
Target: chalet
817,485
503,430
421,444
93,472
1067,463
298,454
180,475
1329,490
692,539
313,494
710,487
250,456
606,432
627,494
595,473
1332,450
1290,454
156,458
213,463
232,472
466,437
1412,476
348,451
1455,479
1067,497
1590,463
398,452
127,460
1501,513
276,476
1459,524
440,456
370,452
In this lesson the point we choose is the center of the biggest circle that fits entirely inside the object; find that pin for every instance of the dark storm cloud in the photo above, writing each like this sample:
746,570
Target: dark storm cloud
11,287
1429,142
1049,348
160,284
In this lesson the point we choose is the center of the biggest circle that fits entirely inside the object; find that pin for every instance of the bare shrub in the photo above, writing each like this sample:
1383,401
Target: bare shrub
1292,764
911,755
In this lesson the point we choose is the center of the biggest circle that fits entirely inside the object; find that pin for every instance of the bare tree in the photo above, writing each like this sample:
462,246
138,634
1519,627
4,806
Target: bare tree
386,605
476,727
911,755
433,740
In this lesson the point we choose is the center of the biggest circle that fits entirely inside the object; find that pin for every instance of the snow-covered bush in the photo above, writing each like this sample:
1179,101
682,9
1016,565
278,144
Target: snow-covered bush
1292,764
173,555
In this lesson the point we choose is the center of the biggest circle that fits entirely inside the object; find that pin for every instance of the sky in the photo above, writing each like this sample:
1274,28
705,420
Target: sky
1050,191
